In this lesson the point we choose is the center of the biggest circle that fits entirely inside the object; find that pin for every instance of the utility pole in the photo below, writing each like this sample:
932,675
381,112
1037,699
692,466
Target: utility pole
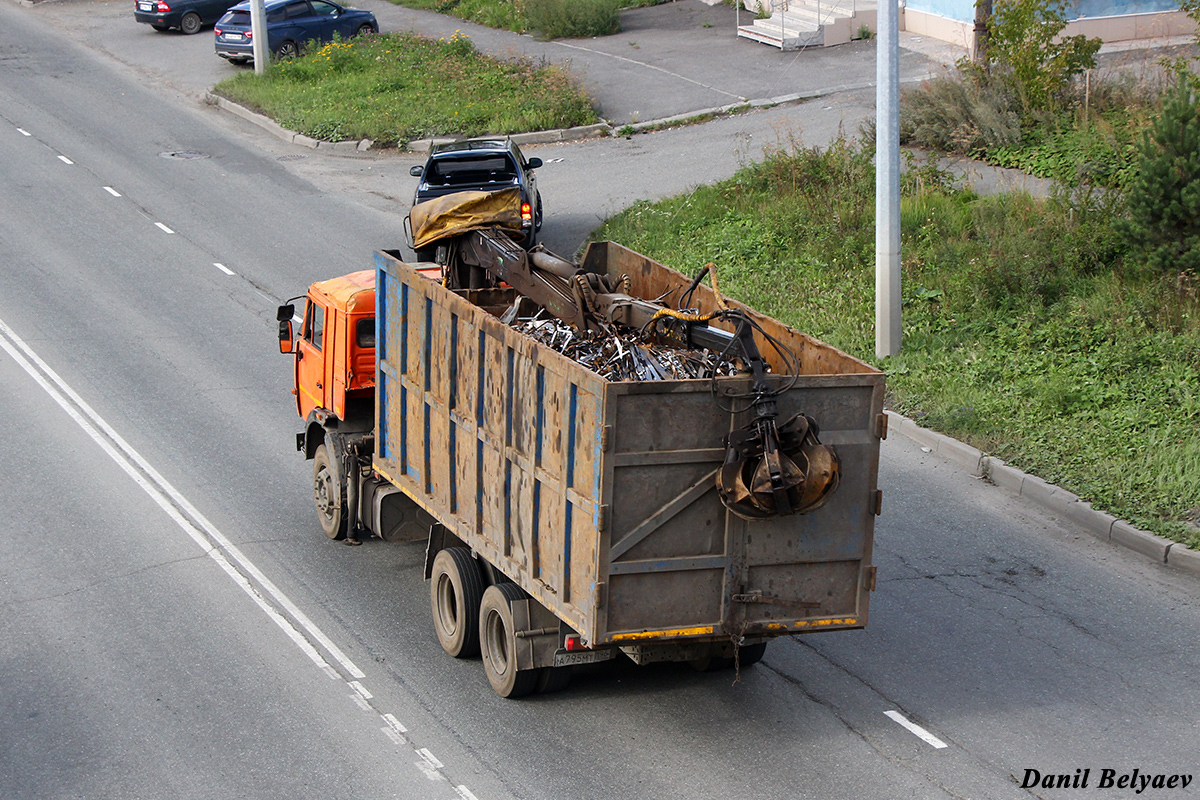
258,36
887,181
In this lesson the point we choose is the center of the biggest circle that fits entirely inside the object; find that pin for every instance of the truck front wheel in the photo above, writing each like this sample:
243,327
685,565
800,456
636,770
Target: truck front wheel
455,592
498,641
330,499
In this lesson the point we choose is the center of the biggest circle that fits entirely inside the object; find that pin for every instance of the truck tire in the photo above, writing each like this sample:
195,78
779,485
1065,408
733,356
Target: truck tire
553,679
748,655
498,642
455,592
751,654
329,496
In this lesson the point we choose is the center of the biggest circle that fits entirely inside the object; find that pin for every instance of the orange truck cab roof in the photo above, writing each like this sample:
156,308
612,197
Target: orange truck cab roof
353,293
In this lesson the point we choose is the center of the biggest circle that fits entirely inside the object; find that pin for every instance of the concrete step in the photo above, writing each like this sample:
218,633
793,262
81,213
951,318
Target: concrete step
808,23
789,37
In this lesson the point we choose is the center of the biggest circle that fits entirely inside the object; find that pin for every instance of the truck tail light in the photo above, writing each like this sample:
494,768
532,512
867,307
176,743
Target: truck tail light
526,212
574,643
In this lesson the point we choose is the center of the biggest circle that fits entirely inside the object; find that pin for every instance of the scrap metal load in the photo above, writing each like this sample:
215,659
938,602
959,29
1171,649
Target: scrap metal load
771,468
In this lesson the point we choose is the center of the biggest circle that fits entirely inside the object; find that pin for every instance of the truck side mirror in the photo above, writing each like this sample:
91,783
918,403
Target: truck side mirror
284,316
286,344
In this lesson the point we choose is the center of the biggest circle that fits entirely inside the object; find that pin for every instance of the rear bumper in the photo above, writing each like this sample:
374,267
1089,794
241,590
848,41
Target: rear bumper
170,20
235,51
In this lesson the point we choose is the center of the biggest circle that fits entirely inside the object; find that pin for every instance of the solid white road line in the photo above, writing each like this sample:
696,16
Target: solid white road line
916,729
164,228
203,532
212,541
24,132
65,160
112,191
223,268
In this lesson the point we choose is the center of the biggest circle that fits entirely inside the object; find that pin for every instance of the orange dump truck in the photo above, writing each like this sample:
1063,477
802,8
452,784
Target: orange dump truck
570,518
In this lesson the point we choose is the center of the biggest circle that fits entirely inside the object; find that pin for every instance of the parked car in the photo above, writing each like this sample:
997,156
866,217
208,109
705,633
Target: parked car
482,165
291,24
188,16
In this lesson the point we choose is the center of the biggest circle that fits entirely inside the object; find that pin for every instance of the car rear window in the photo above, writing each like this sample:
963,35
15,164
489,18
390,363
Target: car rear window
237,18
462,171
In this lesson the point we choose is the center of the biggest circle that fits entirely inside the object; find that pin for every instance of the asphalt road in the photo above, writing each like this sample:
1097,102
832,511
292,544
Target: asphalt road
135,665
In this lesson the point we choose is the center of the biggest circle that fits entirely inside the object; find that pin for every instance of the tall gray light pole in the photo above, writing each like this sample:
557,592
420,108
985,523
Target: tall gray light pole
887,180
258,35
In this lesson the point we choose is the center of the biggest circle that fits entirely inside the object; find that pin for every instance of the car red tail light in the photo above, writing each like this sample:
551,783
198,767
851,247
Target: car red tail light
217,31
526,212
163,7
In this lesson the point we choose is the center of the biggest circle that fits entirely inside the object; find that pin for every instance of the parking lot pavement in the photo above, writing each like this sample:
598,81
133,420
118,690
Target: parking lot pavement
672,59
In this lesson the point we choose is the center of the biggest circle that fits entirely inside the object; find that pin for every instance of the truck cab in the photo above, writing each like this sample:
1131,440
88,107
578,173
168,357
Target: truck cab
335,352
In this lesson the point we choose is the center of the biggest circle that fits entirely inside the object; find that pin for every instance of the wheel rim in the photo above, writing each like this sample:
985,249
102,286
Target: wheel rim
323,494
497,642
447,606
287,50
190,23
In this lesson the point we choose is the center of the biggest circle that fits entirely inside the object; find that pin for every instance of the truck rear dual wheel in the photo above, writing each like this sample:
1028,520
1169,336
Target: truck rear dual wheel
329,496
456,592
748,655
498,642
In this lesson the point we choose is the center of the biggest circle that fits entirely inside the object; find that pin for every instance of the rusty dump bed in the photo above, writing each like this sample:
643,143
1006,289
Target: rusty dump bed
597,497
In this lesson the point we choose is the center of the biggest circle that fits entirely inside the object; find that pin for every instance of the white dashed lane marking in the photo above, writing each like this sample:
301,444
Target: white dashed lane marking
916,729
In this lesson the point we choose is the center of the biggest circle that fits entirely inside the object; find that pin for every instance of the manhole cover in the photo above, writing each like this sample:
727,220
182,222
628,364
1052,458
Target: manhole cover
291,157
184,154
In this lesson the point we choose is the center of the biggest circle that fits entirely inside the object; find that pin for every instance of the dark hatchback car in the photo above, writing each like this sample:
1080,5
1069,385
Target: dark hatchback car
291,24
188,16
482,165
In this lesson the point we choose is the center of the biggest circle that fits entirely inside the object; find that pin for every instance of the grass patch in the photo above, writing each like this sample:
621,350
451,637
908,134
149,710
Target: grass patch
397,87
1026,332
552,19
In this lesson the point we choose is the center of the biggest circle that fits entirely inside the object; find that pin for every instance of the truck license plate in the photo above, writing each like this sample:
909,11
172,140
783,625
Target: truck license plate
565,659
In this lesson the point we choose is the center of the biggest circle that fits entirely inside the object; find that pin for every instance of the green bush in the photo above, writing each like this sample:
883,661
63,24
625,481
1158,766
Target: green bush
1024,48
559,19
1163,226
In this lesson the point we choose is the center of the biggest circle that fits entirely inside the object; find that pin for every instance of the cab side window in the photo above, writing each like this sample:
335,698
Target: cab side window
314,325
364,332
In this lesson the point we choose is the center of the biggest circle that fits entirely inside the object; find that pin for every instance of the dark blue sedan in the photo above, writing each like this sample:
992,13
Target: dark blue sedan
187,15
291,24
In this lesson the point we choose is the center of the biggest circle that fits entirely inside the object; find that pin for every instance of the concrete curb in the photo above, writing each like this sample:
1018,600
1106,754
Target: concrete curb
1051,498
271,126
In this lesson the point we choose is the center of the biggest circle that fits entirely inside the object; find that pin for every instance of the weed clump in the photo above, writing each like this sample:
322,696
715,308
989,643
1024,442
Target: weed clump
573,19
